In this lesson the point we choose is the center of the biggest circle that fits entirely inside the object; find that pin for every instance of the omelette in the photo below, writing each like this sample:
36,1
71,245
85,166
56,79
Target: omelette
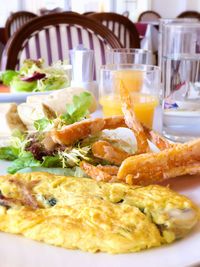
80,213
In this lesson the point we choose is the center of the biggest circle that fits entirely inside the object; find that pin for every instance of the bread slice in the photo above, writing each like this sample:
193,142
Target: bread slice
10,119
29,113
58,100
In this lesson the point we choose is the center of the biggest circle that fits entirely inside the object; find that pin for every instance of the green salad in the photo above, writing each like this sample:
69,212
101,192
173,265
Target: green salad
33,77
27,152
33,151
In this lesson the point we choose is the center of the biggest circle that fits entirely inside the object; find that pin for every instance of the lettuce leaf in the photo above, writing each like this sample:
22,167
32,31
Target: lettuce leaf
7,76
8,153
54,77
51,161
25,159
75,172
79,109
17,85
43,124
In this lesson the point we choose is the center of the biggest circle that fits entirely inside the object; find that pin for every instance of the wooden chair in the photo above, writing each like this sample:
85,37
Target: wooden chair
189,14
88,13
17,20
121,26
50,37
149,15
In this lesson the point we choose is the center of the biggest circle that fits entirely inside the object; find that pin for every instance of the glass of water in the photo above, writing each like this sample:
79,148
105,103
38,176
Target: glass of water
129,56
181,81
162,24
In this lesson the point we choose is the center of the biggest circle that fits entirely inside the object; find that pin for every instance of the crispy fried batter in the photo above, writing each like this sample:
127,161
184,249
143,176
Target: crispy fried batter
131,120
104,150
158,140
79,130
114,122
155,167
94,172
112,170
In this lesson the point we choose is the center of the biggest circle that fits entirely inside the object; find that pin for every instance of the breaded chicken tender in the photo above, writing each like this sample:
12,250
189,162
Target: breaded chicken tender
80,213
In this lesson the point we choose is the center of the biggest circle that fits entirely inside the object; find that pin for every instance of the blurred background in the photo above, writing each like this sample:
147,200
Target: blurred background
167,9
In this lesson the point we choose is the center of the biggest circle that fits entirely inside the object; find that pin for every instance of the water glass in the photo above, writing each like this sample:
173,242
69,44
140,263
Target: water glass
181,81
142,82
162,24
129,56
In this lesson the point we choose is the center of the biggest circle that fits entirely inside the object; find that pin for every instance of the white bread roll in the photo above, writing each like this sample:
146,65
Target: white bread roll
58,100
10,119
29,113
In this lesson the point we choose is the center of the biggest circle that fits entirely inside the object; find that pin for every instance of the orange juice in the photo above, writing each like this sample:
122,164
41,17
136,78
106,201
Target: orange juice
132,79
144,106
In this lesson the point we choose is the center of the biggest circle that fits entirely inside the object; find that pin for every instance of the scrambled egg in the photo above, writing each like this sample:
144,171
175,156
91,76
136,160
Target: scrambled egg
93,216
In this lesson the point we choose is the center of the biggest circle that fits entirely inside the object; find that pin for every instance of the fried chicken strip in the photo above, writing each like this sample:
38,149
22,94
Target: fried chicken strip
95,172
151,168
104,150
112,170
158,140
79,130
131,120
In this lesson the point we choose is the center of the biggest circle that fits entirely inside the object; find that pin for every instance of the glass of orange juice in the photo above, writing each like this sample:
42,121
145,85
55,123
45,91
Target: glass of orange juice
143,83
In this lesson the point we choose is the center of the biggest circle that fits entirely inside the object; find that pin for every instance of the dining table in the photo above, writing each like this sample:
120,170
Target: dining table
18,251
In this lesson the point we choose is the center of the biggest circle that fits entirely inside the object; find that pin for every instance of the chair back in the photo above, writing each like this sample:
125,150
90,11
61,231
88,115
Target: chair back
17,20
149,15
51,37
189,14
88,13
121,26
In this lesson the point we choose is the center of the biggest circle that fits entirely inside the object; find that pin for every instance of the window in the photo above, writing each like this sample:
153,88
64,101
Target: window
5,10
135,7
92,5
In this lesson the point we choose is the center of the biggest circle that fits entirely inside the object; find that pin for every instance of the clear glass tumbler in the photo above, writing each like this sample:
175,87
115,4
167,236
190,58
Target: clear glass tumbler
181,81
129,56
143,84
162,24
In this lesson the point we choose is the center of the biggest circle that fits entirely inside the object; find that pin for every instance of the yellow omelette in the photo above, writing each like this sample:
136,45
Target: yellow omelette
80,213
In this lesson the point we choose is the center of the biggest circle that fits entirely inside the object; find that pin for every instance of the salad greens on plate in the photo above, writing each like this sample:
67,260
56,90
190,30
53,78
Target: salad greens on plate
26,149
33,77
31,151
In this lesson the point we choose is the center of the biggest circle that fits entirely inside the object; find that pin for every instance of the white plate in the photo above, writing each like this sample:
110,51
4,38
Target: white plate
17,251
19,97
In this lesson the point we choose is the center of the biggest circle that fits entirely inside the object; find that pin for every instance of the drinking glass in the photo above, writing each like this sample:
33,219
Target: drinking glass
181,81
162,24
129,56
142,82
